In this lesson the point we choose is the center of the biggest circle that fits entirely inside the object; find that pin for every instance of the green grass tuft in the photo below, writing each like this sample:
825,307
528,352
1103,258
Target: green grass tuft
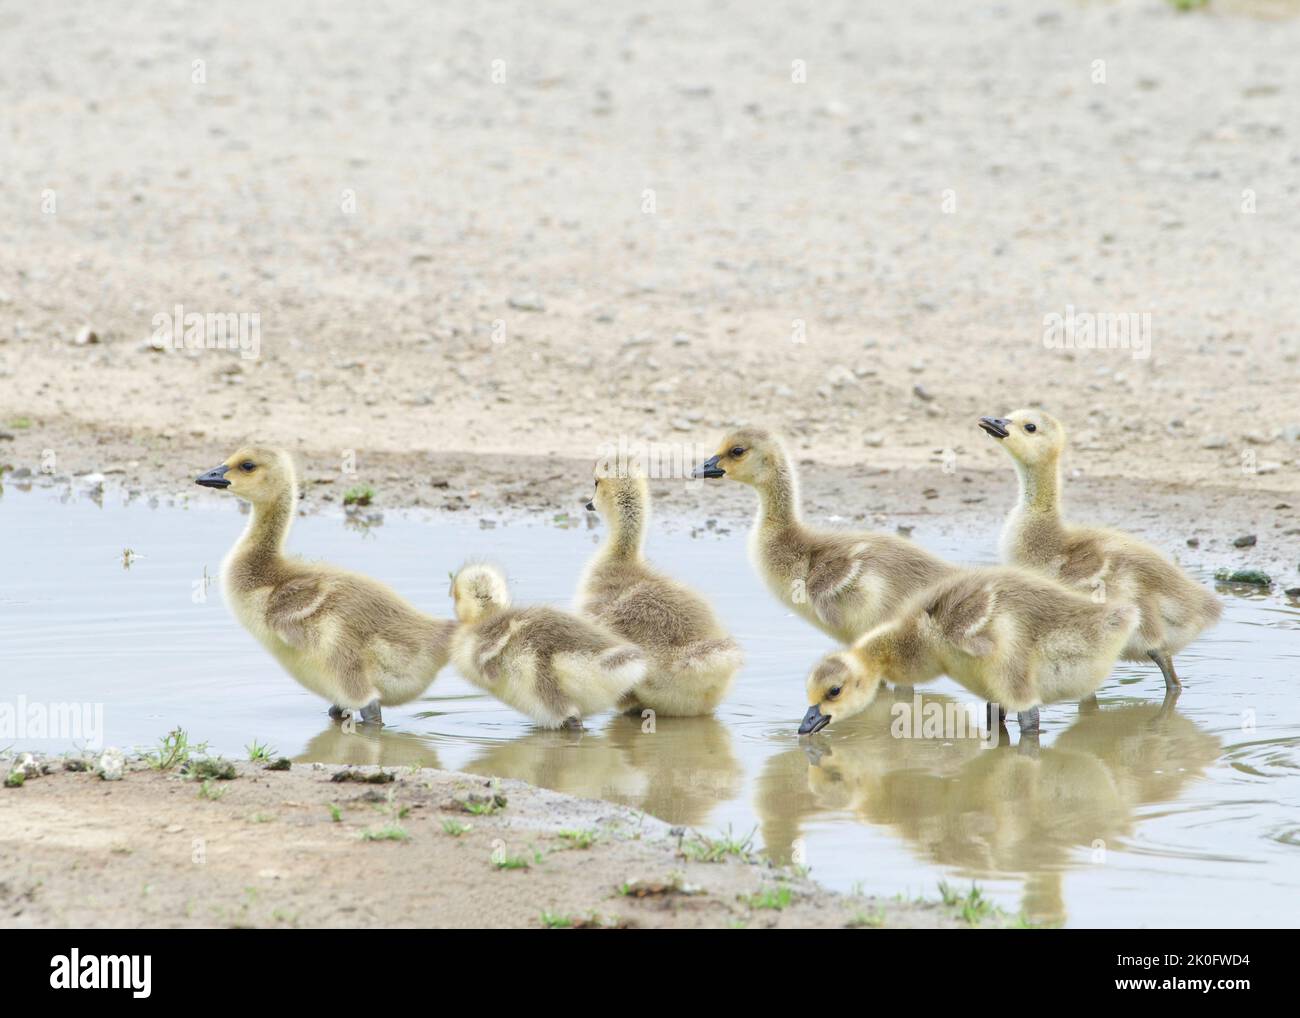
173,750
702,848
361,494
775,898
389,832
259,751
581,838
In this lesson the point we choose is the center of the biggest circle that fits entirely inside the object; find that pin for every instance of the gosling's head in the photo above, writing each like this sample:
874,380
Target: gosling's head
478,591
841,685
1031,437
749,455
620,493
257,474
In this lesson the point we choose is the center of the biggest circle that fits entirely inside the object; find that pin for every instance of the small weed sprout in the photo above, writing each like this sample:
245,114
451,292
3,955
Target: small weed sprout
581,838
173,750
361,494
389,832
702,848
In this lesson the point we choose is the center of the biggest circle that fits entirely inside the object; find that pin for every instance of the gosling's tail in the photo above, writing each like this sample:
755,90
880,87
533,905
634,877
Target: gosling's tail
621,668
709,657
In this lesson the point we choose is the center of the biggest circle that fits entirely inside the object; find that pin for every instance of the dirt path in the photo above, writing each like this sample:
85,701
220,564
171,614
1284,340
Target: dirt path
438,217
297,848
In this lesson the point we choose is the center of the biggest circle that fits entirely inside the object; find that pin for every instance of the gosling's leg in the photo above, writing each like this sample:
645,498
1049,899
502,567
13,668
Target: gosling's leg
1028,720
1166,665
338,713
371,712
1089,705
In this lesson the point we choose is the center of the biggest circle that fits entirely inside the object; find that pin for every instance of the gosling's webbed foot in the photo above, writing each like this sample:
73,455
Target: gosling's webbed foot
1089,705
573,723
1028,744
338,713
1028,720
371,713
1166,665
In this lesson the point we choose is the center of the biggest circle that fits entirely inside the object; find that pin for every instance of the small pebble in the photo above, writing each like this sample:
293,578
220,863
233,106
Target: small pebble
111,764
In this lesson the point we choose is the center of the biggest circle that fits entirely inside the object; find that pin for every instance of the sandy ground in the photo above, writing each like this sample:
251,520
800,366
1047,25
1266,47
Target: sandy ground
151,850
516,205
512,210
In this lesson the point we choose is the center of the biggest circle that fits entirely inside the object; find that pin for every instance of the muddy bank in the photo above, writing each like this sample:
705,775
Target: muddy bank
402,847
964,490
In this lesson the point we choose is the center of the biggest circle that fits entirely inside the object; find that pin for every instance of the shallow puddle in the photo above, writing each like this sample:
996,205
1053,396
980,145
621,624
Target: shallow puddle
1134,814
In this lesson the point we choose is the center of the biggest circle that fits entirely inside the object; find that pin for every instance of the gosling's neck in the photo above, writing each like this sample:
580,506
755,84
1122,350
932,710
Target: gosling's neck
903,654
627,527
778,499
263,540
1040,488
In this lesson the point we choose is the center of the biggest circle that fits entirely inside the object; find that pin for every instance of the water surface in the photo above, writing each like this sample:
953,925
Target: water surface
1135,813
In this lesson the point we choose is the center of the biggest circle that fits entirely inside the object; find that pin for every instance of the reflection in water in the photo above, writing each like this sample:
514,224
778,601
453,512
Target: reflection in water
366,745
1012,809
678,773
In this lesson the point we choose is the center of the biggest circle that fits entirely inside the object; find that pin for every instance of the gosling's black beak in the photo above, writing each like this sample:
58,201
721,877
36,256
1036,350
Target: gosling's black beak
591,505
709,468
814,720
995,426
215,478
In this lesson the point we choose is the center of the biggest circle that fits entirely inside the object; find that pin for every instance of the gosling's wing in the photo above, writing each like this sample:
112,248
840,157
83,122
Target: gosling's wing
1086,559
964,616
293,604
832,574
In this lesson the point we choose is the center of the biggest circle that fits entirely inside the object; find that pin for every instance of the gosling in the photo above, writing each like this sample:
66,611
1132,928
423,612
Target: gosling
1010,636
843,582
1113,566
344,636
692,660
553,666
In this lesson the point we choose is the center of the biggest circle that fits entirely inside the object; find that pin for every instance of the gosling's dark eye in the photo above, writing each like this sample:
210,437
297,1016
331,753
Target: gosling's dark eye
1031,428
248,466
737,452
833,692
